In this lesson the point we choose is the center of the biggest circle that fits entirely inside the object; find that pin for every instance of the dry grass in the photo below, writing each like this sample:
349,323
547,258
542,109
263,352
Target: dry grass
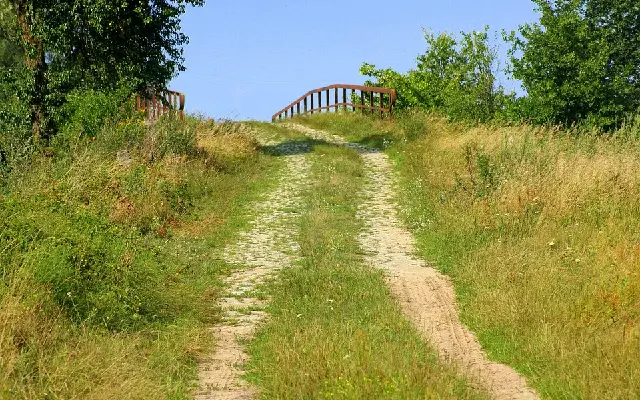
227,144
546,252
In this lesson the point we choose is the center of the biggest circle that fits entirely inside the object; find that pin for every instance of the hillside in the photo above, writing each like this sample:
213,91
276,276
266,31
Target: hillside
127,257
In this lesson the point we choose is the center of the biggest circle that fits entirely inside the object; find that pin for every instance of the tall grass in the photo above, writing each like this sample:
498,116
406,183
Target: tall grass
538,229
108,273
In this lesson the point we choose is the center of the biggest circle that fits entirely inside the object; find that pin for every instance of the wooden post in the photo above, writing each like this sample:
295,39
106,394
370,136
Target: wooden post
344,97
328,102
371,102
181,106
353,107
153,105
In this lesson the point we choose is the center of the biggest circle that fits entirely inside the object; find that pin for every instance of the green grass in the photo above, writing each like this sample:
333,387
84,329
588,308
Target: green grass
107,254
334,330
537,229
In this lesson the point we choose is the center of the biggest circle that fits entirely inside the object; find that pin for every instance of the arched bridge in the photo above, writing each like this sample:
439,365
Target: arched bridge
341,97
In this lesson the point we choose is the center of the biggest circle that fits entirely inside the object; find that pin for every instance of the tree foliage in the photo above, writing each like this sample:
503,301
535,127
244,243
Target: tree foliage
454,75
11,53
581,61
95,44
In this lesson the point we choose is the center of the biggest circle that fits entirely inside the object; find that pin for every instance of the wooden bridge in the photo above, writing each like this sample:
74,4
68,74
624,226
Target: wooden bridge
156,103
341,97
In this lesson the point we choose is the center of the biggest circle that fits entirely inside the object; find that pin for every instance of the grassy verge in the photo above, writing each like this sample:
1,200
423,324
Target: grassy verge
334,331
538,230
107,257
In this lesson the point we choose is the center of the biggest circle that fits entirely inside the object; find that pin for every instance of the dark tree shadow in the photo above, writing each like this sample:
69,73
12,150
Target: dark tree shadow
295,147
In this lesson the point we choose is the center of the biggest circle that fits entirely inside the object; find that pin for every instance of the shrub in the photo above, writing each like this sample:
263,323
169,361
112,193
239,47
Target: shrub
86,263
454,76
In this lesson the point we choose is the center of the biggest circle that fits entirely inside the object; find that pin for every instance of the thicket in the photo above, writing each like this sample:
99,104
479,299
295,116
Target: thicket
579,64
454,75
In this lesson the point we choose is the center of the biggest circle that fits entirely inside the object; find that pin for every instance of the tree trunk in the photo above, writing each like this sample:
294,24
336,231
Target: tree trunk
35,60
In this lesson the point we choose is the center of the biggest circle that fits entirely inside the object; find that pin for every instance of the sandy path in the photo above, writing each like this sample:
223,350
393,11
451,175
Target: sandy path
425,295
266,247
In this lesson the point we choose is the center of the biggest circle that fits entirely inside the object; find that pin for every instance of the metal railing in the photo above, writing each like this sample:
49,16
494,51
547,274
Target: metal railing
345,97
156,103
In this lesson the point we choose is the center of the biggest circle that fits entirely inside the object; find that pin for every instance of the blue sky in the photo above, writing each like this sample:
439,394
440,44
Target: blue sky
249,58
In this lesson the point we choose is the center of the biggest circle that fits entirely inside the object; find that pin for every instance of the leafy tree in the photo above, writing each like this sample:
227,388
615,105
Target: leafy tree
454,75
96,44
10,50
581,61
12,110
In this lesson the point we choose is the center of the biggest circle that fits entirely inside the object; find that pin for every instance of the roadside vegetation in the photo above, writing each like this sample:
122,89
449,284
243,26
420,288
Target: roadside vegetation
107,254
579,64
334,331
537,227
109,226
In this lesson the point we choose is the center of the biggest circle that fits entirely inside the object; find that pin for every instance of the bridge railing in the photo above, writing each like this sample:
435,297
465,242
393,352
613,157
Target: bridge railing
341,97
157,103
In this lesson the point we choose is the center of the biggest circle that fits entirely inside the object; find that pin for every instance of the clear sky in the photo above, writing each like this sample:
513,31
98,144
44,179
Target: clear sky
248,59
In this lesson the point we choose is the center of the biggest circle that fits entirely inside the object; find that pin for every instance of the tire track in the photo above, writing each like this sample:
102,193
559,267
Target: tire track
266,247
425,295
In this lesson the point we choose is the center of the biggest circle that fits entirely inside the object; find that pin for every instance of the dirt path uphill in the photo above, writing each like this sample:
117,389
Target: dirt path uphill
269,245
425,295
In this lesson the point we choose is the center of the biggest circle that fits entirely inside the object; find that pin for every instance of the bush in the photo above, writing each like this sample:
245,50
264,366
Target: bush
454,76
85,262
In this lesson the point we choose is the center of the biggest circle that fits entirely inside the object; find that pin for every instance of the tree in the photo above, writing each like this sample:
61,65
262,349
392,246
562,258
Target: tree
10,50
454,75
98,44
581,61
12,71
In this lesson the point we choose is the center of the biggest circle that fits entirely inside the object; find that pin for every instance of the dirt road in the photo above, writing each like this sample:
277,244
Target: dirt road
425,295
260,252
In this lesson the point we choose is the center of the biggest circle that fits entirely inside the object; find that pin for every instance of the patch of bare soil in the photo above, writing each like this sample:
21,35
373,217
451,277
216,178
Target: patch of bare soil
266,247
425,295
